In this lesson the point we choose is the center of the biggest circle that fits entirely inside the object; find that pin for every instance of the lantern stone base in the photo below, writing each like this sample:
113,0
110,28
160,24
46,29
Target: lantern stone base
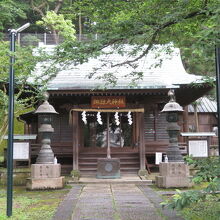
45,176
173,175
47,183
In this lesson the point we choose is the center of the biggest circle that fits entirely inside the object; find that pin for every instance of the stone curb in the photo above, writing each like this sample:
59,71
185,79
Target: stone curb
106,182
156,199
66,207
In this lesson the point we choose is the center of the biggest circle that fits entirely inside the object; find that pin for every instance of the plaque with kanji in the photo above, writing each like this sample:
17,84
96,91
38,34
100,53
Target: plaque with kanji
198,148
108,102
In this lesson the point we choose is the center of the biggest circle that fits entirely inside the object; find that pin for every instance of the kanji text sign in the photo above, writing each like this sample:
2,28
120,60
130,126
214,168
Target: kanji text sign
108,102
198,148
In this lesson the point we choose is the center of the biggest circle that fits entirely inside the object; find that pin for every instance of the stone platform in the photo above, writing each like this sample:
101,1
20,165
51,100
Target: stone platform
124,179
45,183
173,175
45,176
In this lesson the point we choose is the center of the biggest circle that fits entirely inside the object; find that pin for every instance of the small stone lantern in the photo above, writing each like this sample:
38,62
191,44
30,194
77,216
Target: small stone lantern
45,112
174,173
45,173
172,109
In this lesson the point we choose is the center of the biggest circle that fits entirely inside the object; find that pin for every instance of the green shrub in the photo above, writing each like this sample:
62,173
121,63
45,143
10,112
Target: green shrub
75,174
208,168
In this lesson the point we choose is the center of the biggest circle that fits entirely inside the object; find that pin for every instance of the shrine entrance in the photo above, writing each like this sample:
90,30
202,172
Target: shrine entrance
96,129
108,128
115,133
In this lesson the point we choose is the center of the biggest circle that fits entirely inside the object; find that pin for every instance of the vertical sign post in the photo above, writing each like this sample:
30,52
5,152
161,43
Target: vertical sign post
10,125
12,34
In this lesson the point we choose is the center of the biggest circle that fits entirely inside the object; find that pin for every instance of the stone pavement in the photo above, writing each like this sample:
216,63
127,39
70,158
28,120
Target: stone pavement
113,202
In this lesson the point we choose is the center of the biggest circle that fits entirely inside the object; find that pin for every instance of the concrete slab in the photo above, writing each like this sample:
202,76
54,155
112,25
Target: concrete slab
122,180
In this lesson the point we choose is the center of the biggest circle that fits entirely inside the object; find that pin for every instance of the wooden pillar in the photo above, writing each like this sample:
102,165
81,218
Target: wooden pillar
137,131
108,138
80,134
133,141
185,122
185,119
120,131
75,124
142,142
92,134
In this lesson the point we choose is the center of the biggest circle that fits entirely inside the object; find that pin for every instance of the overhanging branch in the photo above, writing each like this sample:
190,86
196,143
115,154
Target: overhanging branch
156,33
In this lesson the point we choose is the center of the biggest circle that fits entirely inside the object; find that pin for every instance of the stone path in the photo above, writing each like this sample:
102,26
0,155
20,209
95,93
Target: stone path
112,202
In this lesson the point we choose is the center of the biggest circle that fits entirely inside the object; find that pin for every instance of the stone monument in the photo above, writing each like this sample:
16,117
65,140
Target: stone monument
174,173
46,173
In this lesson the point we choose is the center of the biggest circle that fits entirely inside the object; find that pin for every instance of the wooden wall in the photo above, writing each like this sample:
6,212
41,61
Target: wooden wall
62,128
206,121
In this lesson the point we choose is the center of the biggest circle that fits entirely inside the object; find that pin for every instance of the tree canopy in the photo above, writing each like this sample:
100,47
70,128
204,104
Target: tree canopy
192,25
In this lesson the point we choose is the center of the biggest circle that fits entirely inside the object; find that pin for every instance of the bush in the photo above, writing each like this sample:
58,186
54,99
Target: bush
75,174
208,168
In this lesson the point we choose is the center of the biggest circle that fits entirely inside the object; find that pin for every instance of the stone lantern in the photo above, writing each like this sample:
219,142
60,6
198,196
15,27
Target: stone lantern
174,173
45,112
172,109
45,174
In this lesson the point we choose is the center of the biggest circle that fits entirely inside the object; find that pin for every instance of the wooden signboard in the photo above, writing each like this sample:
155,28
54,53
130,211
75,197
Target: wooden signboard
198,148
21,151
108,102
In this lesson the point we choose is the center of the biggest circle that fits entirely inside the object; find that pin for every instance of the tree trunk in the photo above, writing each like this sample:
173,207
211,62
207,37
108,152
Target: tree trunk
80,27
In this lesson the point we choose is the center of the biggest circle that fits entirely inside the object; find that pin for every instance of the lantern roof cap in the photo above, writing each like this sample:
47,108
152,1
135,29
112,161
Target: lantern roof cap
172,105
46,108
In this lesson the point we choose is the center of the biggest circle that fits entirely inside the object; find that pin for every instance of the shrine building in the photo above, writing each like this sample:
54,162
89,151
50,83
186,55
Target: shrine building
124,114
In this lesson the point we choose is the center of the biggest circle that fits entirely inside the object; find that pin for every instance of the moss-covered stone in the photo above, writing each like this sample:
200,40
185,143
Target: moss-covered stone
20,176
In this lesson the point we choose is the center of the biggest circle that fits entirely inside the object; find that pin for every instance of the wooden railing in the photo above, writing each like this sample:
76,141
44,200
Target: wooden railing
152,147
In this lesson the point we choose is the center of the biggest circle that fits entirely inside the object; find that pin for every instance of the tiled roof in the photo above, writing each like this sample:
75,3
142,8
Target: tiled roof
204,105
168,74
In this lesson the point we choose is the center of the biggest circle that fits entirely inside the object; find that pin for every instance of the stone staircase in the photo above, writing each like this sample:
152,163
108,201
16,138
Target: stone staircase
129,162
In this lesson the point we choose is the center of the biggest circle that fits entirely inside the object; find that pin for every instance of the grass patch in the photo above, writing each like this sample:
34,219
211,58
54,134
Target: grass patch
32,205
206,210
195,187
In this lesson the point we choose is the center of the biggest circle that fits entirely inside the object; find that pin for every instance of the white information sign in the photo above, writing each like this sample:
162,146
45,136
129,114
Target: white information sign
21,151
198,148
158,157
